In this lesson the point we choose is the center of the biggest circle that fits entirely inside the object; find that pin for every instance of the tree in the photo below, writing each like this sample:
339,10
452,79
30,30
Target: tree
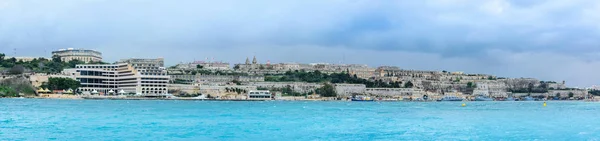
201,67
237,82
543,85
17,69
57,83
557,95
327,90
571,94
408,84
236,67
261,67
530,87
74,63
56,59
470,85
12,60
2,55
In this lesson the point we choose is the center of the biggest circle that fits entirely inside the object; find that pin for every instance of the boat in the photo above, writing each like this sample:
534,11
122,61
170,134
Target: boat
510,99
451,98
362,98
528,98
483,98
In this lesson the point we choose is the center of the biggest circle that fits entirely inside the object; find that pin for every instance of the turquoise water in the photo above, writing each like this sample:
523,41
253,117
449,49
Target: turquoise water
47,119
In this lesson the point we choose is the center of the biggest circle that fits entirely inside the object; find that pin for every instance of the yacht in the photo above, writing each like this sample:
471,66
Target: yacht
528,98
483,98
451,98
362,98
510,99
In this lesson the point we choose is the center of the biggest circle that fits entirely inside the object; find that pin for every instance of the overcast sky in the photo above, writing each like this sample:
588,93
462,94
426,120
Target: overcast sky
546,39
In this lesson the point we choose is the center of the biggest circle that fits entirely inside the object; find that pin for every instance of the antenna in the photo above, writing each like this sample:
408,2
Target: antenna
344,57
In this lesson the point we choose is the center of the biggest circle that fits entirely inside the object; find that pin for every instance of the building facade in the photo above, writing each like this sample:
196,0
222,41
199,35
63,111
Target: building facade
104,79
345,90
84,55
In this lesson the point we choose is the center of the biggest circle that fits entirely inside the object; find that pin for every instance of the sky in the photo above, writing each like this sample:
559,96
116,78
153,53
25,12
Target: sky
551,40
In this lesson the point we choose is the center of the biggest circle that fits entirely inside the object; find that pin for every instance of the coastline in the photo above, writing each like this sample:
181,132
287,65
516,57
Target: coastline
77,97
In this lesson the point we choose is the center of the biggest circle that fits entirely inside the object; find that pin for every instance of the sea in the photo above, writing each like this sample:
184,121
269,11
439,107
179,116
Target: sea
87,120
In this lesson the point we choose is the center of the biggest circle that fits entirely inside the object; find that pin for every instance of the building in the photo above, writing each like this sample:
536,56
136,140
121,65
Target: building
256,94
189,79
84,55
345,90
395,92
301,87
211,65
222,66
138,78
147,66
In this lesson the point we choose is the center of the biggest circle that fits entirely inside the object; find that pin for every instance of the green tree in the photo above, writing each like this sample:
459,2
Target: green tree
56,59
408,84
471,85
2,55
543,85
199,66
261,67
530,87
8,92
327,90
57,83
557,95
571,94
74,63
17,69
237,82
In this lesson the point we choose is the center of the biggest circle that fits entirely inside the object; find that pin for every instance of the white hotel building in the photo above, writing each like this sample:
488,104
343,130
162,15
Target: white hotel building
139,76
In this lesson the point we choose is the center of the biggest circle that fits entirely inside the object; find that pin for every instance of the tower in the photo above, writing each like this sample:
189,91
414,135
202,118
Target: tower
247,61
254,60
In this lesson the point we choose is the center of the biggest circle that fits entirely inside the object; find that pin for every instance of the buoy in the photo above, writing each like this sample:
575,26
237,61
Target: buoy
544,104
463,105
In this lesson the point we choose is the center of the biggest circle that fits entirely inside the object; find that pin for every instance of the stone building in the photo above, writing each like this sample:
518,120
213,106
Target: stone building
565,93
301,87
362,71
215,78
345,90
84,55
394,92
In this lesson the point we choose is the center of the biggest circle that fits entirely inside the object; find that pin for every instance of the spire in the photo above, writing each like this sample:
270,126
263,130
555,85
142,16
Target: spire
247,61
254,60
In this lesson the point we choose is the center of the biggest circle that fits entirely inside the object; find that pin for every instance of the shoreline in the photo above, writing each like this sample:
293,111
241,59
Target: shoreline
73,97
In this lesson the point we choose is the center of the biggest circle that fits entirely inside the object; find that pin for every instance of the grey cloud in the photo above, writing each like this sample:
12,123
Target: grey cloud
473,34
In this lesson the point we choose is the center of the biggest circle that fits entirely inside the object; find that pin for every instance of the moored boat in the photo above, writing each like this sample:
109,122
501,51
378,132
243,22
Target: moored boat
451,98
510,99
483,98
528,98
362,98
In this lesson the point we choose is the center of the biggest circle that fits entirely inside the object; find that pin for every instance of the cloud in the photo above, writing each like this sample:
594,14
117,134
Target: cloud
468,35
